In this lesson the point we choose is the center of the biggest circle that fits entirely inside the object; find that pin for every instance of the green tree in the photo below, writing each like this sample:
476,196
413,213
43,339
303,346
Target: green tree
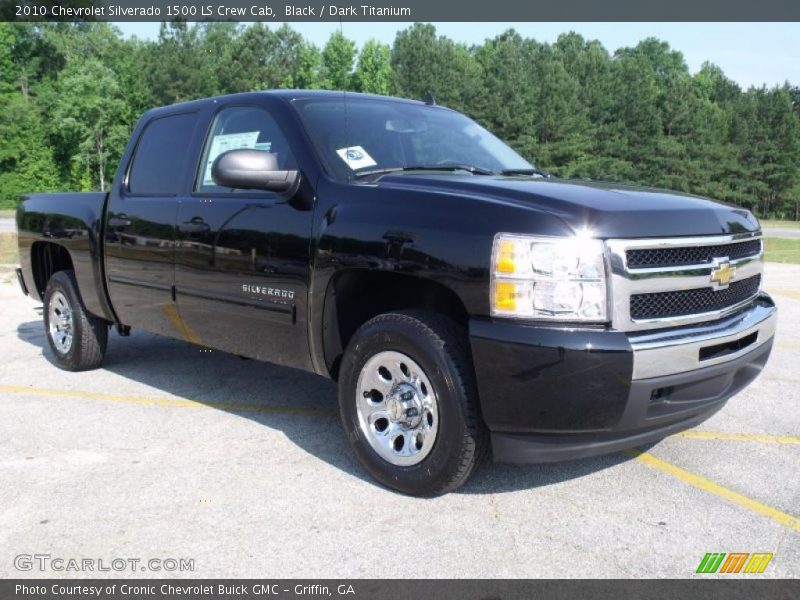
507,64
423,62
217,43
337,62
26,160
261,59
374,70
562,120
9,74
71,92
309,74
89,119
175,69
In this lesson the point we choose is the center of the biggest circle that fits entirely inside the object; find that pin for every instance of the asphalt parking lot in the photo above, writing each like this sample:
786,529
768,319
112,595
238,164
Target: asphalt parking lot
170,451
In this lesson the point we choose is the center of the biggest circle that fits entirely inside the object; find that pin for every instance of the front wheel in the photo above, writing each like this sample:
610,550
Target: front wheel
409,405
77,338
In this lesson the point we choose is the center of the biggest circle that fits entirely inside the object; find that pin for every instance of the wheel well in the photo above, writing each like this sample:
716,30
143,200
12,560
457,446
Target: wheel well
354,297
48,258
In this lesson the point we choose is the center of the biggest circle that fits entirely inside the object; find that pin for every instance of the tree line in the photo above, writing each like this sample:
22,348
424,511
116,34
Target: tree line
70,94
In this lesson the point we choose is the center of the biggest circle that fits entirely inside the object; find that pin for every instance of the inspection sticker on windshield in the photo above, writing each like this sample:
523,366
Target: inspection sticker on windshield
356,157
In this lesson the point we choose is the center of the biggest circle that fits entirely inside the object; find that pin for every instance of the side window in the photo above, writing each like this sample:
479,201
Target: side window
242,127
161,153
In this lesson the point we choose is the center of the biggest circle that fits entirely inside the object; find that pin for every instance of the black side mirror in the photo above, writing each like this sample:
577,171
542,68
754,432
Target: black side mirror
252,169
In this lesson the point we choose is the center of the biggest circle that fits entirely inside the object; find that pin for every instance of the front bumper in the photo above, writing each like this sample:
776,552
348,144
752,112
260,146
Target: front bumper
550,394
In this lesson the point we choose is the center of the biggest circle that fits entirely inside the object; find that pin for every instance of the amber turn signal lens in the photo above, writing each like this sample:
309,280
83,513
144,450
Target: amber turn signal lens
505,296
505,257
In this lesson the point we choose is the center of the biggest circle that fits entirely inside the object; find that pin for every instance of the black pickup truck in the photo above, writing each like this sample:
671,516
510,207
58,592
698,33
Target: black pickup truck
467,303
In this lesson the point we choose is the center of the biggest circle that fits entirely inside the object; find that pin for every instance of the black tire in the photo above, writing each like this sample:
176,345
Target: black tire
441,348
89,333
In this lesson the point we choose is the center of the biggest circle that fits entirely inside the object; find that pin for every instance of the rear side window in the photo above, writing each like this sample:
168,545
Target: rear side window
161,154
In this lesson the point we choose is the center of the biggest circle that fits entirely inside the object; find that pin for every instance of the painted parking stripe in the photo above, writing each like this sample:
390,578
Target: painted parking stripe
188,334
740,437
709,486
687,476
165,402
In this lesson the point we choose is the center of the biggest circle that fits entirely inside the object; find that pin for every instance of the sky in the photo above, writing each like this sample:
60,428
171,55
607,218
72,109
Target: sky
751,54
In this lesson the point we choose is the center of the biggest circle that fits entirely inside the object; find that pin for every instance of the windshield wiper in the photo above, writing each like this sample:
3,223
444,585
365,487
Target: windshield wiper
531,171
448,167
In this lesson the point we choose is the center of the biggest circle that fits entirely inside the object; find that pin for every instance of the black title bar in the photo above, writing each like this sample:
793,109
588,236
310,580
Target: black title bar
400,10
397,589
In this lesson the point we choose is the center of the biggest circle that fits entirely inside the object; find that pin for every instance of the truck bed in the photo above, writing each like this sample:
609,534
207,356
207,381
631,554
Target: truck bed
73,222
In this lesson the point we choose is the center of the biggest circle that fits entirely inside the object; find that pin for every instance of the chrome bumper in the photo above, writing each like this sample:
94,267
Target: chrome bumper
683,349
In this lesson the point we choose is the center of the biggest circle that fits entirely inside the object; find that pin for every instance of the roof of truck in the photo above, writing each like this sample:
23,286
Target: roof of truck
301,94
286,94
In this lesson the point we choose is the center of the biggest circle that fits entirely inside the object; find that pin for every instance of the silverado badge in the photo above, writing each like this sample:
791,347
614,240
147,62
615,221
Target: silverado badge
272,292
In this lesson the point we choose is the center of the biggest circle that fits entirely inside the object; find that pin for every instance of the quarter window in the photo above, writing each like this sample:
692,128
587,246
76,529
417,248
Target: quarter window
158,166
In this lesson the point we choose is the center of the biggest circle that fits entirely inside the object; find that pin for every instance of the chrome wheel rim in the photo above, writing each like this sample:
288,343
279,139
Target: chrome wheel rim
61,322
398,412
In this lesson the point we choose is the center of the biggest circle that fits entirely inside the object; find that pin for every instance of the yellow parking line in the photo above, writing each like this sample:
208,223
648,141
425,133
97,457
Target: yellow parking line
793,294
704,484
188,334
740,437
164,402
650,460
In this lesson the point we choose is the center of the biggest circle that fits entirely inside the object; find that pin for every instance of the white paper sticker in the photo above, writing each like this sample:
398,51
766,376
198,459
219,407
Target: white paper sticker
223,143
356,157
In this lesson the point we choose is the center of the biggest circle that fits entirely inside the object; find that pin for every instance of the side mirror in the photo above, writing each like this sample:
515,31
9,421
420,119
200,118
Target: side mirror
252,169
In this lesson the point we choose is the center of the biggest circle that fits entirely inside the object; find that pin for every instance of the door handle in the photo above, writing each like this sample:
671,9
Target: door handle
120,220
194,226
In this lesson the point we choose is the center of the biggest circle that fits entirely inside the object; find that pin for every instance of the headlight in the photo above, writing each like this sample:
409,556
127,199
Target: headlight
548,278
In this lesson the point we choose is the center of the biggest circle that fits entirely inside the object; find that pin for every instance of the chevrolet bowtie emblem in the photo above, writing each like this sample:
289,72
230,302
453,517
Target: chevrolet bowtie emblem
723,273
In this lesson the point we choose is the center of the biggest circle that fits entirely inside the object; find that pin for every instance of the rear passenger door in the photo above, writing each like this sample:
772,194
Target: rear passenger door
242,256
140,223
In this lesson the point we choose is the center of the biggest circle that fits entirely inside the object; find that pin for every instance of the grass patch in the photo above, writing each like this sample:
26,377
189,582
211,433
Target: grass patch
781,250
779,224
8,249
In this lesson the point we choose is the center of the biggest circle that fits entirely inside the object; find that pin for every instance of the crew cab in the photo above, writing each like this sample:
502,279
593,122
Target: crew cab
468,304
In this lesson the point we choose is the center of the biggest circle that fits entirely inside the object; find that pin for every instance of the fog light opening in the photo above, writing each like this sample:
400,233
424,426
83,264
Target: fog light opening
659,394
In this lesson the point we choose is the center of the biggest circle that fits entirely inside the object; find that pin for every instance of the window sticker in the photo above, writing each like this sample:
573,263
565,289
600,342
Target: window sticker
356,157
223,143
263,146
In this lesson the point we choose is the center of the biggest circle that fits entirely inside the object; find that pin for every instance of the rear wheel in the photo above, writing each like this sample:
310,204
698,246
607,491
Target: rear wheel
409,405
76,337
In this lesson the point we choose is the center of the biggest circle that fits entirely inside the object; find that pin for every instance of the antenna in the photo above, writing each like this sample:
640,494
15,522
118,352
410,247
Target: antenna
429,99
344,100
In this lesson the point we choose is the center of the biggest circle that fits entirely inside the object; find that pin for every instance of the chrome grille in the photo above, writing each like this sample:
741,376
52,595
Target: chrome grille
657,283
691,302
689,255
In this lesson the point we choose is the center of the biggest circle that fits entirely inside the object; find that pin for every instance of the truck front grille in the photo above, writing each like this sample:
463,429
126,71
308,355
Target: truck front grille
658,283
690,255
691,302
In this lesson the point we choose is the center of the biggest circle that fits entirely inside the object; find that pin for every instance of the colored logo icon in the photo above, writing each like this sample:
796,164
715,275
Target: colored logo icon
734,562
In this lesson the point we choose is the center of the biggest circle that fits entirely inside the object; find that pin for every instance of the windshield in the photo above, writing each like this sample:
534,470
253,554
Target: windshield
369,135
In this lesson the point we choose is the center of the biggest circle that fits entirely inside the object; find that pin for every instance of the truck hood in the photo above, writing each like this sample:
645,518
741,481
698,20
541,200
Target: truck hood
609,210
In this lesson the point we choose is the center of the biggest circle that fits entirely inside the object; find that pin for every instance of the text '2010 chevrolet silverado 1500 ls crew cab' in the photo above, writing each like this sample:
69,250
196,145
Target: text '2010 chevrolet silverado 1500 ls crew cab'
467,304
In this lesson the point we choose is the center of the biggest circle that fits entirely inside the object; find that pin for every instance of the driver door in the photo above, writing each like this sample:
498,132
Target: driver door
242,256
